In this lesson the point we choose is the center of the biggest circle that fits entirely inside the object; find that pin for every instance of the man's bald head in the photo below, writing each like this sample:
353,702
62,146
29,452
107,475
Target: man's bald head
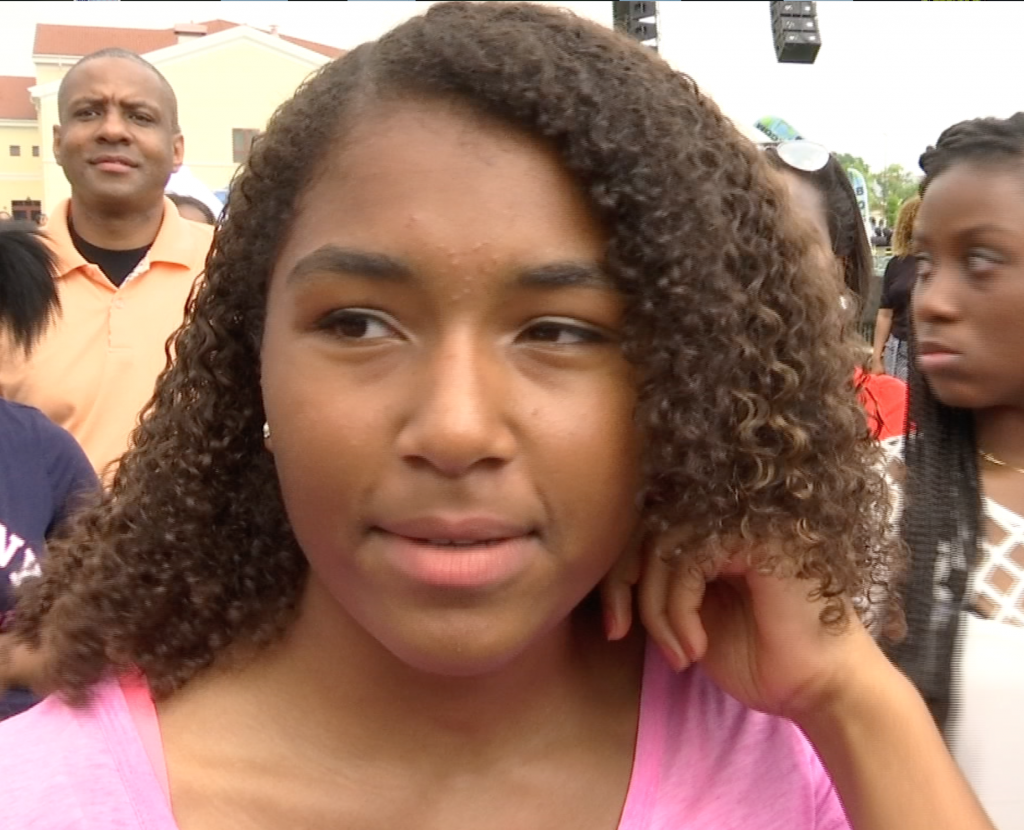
120,54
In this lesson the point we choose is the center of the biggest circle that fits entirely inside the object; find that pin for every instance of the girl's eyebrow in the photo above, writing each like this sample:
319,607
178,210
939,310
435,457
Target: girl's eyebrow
334,260
576,274
338,261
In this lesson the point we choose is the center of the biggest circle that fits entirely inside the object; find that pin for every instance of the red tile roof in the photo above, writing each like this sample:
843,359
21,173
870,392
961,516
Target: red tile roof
76,41
14,98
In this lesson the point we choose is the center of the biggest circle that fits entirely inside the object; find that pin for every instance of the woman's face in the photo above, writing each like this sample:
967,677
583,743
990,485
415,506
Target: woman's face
968,300
451,413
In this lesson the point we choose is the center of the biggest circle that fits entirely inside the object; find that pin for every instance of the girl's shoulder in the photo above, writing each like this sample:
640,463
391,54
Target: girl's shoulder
704,759
65,768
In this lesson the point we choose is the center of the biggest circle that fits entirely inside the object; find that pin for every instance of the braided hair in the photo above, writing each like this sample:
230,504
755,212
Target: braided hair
941,520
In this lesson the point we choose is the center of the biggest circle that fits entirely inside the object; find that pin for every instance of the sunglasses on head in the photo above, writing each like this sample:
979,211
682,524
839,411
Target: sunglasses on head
801,155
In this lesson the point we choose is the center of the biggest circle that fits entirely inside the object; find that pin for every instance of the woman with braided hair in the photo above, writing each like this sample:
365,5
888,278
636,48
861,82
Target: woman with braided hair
963,515
499,298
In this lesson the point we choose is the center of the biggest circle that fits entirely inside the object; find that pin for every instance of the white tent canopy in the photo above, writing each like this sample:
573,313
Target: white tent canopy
184,183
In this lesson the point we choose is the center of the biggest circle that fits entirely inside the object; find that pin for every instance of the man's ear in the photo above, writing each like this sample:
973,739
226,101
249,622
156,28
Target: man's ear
56,143
179,151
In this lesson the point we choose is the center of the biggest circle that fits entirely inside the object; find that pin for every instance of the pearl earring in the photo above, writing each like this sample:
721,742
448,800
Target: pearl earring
266,431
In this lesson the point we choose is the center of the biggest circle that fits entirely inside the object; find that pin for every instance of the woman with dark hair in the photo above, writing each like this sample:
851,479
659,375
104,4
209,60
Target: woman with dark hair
892,324
823,196
193,209
43,471
964,459
499,297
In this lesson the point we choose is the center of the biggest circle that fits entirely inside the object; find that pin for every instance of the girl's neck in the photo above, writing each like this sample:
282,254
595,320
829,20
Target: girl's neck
331,688
1000,432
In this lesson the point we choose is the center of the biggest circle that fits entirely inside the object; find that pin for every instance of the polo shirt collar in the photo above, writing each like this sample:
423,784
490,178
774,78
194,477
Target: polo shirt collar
171,243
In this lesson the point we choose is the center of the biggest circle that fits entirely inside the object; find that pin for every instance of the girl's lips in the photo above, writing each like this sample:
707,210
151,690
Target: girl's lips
477,564
938,361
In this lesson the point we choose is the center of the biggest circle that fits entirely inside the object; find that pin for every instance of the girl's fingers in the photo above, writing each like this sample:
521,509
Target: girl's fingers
656,591
617,607
685,599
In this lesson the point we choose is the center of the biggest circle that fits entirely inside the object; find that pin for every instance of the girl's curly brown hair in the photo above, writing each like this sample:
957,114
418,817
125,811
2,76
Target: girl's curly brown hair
745,400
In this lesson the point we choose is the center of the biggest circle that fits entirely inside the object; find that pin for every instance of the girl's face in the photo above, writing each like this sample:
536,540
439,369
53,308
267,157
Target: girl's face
968,300
451,413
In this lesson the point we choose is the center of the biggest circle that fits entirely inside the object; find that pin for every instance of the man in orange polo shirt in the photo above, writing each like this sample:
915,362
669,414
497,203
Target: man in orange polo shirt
127,260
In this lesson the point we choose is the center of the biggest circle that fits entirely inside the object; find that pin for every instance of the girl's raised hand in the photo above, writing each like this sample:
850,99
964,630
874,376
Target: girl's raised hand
760,637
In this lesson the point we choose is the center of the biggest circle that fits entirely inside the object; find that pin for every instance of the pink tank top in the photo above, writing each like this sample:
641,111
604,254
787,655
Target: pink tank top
143,711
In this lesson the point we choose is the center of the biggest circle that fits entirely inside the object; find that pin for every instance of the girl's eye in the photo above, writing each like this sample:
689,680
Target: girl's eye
981,261
563,334
924,266
357,325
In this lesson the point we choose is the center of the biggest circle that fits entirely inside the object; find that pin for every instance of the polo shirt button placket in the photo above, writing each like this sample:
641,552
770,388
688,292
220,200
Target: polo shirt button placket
116,306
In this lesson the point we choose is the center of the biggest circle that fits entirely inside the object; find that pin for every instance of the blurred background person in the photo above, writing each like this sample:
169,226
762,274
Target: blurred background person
184,187
189,207
892,323
43,471
823,196
126,260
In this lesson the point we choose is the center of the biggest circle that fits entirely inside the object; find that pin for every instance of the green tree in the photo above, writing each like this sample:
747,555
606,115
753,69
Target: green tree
849,161
889,188
894,185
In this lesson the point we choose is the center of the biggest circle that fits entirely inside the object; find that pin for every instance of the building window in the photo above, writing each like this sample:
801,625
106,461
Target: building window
29,210
241,144
15,149
35,151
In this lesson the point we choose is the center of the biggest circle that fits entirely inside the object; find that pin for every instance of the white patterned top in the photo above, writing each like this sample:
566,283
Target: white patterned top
987,733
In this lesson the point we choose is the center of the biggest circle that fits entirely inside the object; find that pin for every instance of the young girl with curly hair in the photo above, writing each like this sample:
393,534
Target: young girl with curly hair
500,298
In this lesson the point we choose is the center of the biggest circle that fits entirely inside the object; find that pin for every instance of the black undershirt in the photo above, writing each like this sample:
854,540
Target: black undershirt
117,265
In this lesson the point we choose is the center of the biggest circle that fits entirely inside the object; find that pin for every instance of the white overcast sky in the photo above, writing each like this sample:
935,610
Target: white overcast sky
889,78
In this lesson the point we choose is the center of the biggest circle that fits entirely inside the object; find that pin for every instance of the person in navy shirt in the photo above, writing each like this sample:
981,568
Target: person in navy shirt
43,471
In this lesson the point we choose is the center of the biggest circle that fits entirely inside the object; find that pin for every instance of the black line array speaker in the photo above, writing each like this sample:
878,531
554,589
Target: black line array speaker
638,20
795,28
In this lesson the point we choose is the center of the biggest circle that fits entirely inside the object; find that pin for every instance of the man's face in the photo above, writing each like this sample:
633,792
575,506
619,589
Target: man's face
118,141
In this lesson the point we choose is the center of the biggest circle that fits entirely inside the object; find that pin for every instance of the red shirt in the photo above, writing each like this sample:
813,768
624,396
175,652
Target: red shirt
884,398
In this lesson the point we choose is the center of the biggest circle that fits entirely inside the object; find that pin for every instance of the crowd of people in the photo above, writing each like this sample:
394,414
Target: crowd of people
508,455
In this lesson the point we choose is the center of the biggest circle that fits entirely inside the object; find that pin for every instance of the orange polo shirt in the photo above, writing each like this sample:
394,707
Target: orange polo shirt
97,365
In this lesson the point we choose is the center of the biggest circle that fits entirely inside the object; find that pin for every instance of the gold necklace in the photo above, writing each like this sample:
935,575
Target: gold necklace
991,459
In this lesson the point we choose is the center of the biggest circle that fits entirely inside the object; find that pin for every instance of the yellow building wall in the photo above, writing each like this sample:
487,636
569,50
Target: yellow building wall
55,186
236,85
47,72
21,176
